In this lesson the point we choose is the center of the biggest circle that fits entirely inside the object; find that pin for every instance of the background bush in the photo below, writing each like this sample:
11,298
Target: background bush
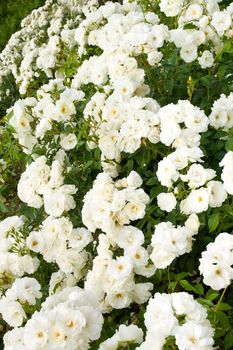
11,14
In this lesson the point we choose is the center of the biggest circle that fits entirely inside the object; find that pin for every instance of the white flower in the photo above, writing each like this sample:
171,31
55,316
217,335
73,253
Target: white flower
134,180
227,173
194,12
161,321
110,344
139,257
134,210
166,201
206,60
197,175
12,312
195,118
192,223
154,57
167,172
218,117
41,128
216,276
168,242
36,332
130,334
198,200
142,292
65,108
217,193
128,237
59,200
221,21
68,142
28,141
14,339
160,313
25,289
56,174
216,262
194,336
80,238
171,8
118,299
188,53
120,269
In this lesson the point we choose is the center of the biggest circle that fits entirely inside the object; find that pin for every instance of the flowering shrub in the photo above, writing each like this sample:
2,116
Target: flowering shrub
117,177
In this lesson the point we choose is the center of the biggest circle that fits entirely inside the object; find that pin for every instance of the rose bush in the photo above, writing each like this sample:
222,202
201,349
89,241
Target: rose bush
117,177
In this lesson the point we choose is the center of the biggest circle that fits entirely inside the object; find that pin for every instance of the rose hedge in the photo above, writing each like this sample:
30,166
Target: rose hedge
116,172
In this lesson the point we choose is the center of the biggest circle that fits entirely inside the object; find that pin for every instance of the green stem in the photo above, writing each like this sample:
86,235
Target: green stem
168,274
219,302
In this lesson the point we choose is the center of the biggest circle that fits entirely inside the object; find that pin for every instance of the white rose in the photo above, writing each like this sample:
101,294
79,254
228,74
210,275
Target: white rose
206,60
12,312
198,200
166,201
134,180
188,53
68,141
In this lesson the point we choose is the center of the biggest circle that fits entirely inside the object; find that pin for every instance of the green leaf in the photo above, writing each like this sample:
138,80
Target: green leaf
229,144
181,275
213,222
212,294
228,340
189,26
172,286
228,210
228,47
198,289
3,208
222,318
155,191
224,307
206,80
186,285
205,302
152,181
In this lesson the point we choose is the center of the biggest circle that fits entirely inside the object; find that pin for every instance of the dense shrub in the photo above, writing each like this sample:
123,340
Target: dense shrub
117,163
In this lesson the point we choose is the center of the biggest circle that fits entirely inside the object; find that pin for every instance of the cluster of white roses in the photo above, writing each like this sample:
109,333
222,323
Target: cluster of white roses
216,262
221,114
24,291
59,242
206,25
186,140
69,319
125,117
169,242
42,180
121,118
32,118
113,279
110,205
12,241
121,124
180,316
36,47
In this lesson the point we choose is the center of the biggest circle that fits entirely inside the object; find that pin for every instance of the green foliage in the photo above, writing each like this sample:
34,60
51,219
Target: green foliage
11,153
11,14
